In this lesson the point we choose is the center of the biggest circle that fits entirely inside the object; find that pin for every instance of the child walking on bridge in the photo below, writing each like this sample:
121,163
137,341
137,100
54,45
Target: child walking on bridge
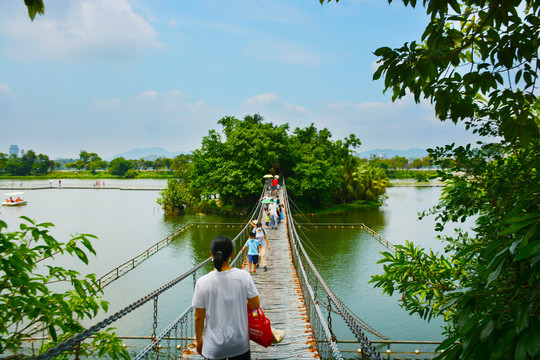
254,248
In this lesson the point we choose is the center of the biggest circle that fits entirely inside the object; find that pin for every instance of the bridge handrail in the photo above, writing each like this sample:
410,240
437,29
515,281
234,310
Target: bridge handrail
367,348
362,226
143,256
307,291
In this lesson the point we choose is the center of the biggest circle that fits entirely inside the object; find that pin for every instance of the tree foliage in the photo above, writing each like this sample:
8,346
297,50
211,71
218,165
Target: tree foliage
29,163
34,7
229,167
477,62
33,296
120,166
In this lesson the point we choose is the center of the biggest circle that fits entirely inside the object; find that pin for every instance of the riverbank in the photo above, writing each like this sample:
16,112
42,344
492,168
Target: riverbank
434,183
87,175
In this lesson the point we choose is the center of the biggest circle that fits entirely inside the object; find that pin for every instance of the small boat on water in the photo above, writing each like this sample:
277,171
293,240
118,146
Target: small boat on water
14,199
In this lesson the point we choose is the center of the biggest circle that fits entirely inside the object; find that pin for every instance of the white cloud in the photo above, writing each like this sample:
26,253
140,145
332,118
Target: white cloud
78,29
4,88
262,99
148,94
271,103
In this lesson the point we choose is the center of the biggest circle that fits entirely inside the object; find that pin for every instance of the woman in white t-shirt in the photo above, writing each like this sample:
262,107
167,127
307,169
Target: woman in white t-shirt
221,320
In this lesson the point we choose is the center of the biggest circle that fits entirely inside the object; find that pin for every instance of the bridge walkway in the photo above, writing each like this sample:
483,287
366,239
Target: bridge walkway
282,303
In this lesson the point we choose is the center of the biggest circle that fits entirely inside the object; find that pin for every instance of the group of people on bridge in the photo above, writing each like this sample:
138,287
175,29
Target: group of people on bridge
258,244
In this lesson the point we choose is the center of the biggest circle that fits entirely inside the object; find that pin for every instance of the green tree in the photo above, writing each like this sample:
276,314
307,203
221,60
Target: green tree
417,163
4,159
25,163
362,181
182,166
372,182
230,167
42,165
477,63
233,167
84,156
120,166
175,198
317,165
131,174
30,301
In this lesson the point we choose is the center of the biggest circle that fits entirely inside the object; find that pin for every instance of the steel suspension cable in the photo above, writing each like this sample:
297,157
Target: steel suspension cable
354,326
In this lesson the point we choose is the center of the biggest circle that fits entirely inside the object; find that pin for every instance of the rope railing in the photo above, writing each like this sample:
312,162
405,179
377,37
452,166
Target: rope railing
325,341
129,265
308,274
361,226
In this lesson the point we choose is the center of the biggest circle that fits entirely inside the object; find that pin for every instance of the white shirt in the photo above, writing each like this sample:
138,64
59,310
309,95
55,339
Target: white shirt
273,208
224,297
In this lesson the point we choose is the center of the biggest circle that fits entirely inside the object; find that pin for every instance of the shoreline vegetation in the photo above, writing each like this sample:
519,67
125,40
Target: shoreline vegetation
87,175
152,174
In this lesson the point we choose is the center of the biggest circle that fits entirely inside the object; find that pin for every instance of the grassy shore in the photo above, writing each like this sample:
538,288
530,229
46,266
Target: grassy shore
88,175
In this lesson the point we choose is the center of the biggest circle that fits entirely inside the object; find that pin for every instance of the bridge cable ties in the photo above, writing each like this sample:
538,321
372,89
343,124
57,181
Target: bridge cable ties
300,211
153,337
329,320
353,325
310,245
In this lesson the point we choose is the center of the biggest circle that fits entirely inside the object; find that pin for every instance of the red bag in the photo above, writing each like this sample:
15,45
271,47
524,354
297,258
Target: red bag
260,330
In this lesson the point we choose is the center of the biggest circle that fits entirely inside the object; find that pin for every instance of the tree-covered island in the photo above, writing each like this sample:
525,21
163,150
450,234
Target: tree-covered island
226,173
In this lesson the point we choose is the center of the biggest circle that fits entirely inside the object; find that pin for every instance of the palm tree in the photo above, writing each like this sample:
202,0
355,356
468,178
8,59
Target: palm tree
372,182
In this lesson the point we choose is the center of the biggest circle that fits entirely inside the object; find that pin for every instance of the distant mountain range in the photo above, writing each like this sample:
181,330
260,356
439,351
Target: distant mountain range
148,154
390,153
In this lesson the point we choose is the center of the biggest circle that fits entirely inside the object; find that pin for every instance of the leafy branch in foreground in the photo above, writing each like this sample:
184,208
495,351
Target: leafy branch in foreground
39,297
477,63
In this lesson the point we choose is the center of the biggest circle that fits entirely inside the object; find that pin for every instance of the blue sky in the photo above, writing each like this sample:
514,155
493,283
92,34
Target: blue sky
107,76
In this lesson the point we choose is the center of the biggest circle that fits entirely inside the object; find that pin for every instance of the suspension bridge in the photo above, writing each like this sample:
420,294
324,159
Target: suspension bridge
293,294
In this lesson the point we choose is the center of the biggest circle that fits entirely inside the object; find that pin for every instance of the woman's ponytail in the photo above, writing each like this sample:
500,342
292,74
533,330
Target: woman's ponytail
221,249
218,260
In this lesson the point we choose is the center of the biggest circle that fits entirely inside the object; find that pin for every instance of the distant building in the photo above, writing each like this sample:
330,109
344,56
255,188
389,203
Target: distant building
14,150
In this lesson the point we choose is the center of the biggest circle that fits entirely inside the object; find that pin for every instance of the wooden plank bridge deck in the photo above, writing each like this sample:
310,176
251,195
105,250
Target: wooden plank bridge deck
281,301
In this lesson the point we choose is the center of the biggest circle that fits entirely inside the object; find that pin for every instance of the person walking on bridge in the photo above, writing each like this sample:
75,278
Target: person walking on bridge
219,299
260,236
272,207
274,185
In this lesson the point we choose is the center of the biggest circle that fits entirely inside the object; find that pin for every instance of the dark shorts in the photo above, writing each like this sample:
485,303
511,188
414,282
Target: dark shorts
253,259
244,356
